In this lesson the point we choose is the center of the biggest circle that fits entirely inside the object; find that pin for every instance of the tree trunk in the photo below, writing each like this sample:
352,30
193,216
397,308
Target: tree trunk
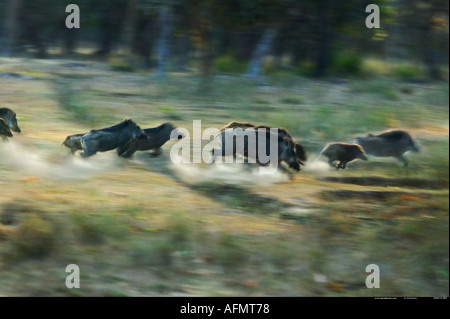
111,18
144,38
69,41
324,46
183,48
128,25
428,53
207,53
261,50
163,47
11,27
207,59
106,34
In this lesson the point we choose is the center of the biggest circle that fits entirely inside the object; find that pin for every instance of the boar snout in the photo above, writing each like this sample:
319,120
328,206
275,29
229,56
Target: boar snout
295,166
416,148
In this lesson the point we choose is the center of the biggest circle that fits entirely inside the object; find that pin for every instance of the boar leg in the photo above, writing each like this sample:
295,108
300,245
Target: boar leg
337,166
128,149
330,162
217,152
285,170
126,153
403,159
156,152
87,154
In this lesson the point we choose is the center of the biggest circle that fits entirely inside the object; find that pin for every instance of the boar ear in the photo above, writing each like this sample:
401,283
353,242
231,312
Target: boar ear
2,121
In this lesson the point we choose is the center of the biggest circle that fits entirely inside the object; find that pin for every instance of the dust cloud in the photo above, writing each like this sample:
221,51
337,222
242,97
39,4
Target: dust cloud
316,165
31,161
225,173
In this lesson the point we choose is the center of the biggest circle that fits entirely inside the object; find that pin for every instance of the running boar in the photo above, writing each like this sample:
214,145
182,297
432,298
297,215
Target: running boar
299,149
285,150
153,139
343,153
389,144
119,137
10,118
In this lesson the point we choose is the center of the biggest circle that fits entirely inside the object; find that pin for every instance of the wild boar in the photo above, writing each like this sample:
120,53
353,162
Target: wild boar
343,153
10,118
152,139
389,144
299,149
285,150
118,137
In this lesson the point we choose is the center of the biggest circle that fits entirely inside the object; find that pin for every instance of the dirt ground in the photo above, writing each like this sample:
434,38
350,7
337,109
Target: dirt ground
148,227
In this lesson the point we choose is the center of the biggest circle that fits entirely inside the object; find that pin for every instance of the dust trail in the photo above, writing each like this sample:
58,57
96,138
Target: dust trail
316,165
30,161
225,173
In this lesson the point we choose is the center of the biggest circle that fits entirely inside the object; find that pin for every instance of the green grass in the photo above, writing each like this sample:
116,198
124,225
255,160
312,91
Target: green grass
407,71
347,64
71,99
229,64
98,228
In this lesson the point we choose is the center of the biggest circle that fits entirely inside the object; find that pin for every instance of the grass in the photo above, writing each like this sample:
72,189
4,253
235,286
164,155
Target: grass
408,71
139,228
34,238
69,99
229,64
120,64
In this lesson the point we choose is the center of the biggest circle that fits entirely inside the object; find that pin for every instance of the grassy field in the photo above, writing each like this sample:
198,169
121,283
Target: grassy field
147,227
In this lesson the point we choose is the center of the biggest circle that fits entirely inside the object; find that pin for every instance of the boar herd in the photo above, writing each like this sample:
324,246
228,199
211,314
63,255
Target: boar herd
127,137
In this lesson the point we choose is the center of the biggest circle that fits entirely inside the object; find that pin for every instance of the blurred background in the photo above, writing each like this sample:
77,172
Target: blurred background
310,38
145,226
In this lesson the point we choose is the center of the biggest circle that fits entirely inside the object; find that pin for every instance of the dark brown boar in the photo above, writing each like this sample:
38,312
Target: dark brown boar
389,144
118,137
285,147
152,140
299,149
343,153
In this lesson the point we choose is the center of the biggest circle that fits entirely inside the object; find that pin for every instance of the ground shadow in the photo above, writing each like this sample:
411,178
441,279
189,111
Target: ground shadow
236,197
240,198
421,183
